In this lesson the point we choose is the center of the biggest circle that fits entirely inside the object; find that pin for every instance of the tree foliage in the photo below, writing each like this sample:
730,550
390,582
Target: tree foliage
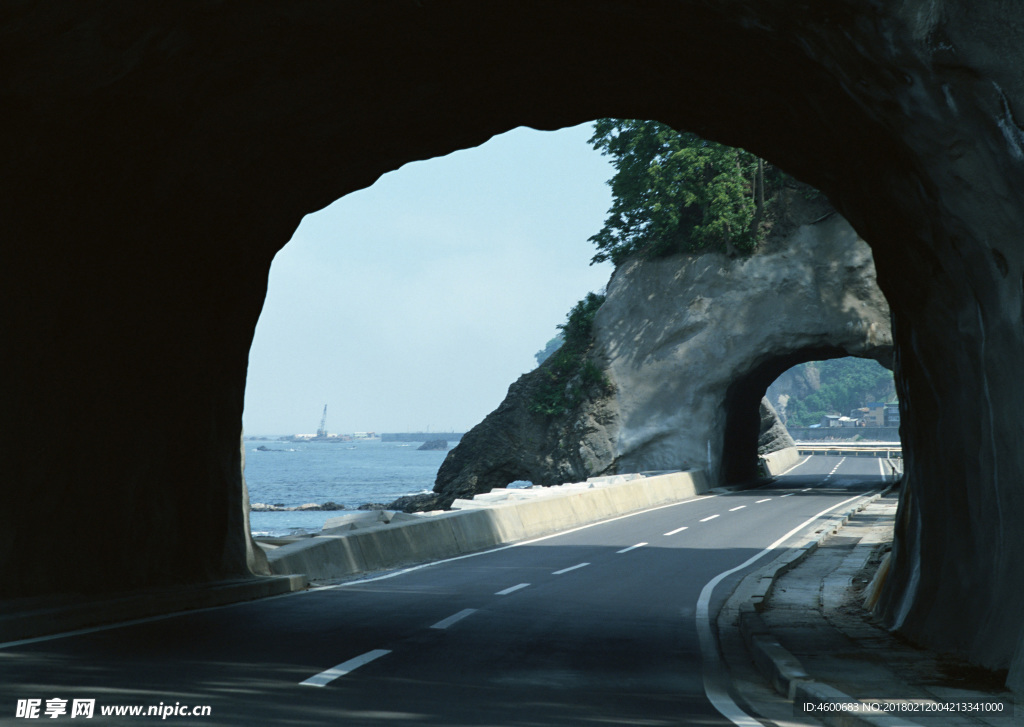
675,192
568,373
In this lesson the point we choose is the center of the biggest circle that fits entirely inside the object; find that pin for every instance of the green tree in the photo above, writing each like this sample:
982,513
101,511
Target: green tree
675,192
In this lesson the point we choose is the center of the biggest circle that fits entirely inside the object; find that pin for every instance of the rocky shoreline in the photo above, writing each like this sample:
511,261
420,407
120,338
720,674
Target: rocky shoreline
312,507
281,507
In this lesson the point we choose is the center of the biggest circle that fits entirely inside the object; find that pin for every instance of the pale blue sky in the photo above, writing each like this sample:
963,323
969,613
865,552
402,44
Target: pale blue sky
414,303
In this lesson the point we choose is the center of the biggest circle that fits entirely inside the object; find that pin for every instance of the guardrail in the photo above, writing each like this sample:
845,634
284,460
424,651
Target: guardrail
850,449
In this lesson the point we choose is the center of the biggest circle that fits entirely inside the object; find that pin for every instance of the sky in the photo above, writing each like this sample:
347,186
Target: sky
412,305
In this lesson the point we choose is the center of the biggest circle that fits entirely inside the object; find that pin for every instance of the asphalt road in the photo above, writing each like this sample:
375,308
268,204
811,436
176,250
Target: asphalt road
596,626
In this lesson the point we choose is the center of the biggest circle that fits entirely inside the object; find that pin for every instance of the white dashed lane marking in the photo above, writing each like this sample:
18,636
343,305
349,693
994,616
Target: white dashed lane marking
632,547
513,589
677,530
326,677
445,623
734,509
572,567
764,500
709,518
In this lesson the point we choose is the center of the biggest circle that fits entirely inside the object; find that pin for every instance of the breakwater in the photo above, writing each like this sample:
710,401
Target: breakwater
420,436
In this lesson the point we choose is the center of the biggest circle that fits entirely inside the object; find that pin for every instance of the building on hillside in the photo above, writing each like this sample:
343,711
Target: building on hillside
892,415
876,414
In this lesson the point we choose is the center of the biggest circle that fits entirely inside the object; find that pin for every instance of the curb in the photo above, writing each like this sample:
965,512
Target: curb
783,670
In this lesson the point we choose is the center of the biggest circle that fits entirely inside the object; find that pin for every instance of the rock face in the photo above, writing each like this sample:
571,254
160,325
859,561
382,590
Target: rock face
772,435
516,443
693,343
689,343
156,157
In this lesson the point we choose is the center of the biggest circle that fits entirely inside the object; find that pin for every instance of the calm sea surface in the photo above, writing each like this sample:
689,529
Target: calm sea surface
349,473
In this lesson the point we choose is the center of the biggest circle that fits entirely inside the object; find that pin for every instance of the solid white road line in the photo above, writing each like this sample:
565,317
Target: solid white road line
632,547
804,460
764,500
677,530
709,518
734,509
513,589
445,623
566,570
326,677
714,683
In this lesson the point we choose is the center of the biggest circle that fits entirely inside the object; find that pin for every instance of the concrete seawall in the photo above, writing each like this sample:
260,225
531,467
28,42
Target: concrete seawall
877,434
778,462
498,517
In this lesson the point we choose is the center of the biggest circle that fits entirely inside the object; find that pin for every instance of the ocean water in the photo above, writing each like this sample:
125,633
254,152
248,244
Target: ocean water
348,473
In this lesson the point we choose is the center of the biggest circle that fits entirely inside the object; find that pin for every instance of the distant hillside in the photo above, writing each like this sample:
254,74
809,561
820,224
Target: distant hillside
806,392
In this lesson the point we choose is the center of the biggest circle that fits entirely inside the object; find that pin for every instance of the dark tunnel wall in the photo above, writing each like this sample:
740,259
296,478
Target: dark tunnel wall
155,156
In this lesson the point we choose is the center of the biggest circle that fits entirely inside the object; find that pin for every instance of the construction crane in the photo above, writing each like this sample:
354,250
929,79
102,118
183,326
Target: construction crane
322,431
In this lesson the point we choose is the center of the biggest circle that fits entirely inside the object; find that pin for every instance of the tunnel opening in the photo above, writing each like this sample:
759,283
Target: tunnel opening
138,280
407,308
838,398
814,395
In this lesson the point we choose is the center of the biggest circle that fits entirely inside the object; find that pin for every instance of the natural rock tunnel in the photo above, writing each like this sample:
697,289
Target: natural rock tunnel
155,157
688,345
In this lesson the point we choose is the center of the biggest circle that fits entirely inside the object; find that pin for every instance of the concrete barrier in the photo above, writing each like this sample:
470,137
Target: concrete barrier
778,462
495,518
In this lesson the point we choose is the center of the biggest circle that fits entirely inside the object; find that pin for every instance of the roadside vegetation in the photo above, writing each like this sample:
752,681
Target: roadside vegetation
672,192
675,192
568,374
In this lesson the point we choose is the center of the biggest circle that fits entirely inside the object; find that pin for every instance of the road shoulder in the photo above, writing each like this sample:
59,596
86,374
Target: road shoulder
799,625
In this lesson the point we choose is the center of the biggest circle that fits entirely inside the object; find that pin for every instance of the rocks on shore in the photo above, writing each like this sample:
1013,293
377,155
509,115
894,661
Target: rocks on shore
439,445
418,503
281,507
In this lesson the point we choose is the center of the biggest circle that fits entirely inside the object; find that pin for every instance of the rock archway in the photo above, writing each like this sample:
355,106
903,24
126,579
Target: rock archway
688,344
155,157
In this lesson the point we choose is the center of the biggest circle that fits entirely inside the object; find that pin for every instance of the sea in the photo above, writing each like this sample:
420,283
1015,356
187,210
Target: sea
294,473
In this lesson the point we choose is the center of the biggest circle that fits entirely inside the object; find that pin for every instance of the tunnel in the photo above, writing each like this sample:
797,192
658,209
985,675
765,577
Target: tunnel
743,416
156,157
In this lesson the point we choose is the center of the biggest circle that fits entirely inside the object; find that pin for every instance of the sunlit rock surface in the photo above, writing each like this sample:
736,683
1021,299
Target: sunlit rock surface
773,434
689,344
155,157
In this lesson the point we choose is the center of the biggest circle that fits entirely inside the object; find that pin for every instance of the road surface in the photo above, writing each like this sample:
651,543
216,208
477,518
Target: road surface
597,626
